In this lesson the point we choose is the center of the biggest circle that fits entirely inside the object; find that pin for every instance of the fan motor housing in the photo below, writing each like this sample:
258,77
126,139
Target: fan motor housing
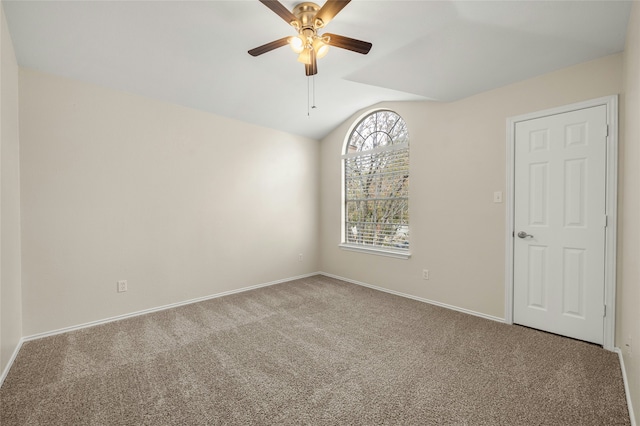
306,13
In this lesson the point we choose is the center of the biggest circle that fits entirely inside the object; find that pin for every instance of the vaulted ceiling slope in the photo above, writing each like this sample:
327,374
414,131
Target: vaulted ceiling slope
194,53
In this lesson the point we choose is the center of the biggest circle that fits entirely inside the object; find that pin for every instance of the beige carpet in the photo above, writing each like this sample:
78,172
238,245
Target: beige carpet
314,351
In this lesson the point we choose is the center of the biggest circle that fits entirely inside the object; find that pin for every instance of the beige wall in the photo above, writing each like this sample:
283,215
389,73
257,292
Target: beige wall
628,324
10,291
457,162
181,203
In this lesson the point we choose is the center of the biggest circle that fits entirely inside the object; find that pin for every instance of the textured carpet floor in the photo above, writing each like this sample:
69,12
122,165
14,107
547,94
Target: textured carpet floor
312,351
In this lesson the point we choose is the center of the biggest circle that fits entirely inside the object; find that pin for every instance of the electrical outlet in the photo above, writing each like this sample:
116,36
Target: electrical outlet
425,274
300,257
122,286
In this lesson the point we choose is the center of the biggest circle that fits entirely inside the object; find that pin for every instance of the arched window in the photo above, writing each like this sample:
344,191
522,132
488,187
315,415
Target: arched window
376,185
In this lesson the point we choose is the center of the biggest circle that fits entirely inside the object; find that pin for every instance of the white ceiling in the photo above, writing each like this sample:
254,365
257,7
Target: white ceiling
194,53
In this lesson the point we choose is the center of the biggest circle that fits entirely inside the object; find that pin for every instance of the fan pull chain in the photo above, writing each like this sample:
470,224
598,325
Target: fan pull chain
311,94
308,102
313,105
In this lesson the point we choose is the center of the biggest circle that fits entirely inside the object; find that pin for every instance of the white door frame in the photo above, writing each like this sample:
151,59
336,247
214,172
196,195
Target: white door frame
611,102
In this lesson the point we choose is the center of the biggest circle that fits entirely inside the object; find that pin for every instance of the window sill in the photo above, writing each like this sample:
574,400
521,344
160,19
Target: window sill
398,254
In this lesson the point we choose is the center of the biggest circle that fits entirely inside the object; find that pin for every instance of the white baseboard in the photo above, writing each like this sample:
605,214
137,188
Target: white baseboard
420,299
162,308
626,386
14,355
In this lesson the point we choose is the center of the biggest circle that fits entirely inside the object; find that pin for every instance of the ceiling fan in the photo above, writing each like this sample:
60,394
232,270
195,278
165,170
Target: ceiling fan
307,18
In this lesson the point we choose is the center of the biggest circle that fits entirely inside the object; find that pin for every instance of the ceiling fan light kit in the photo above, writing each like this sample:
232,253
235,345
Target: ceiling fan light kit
307,18
297,44
321,46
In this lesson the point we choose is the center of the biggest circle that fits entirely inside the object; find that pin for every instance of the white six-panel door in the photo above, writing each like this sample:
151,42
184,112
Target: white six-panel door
559,223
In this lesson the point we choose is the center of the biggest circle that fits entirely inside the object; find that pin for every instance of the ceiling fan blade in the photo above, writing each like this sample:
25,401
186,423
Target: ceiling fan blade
349,43
311,69
330,9
280,10
269,46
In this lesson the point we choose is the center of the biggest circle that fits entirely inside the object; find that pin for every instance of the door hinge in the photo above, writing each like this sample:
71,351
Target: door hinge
606,220
606,131
604,314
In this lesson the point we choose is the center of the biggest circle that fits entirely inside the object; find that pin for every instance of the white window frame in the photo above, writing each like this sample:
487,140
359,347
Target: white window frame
376,250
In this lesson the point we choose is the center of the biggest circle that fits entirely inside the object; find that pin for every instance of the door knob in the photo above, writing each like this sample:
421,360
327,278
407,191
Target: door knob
523,234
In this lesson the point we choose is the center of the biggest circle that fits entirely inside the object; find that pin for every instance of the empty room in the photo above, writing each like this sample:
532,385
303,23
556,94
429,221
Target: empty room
345,212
